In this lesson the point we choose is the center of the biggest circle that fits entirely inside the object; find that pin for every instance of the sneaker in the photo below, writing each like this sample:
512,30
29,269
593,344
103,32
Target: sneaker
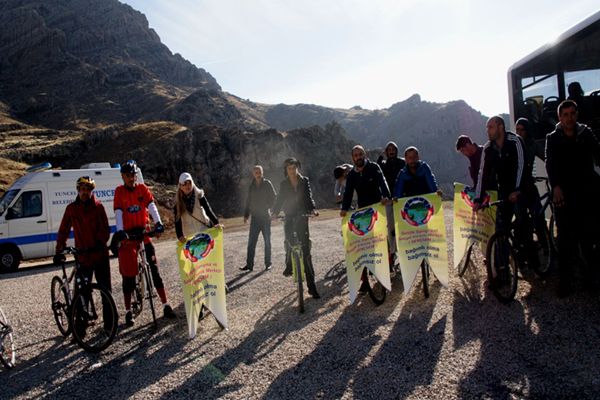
287,272
314,294
246,268
129,320
168,312
268,267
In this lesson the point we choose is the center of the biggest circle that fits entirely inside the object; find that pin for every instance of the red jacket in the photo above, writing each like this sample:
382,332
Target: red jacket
90,228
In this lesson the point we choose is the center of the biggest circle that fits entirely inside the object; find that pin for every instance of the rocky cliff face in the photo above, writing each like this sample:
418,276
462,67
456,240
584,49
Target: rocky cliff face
88,62
220,159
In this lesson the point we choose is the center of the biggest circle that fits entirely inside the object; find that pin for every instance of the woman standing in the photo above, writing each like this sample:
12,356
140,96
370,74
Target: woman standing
192,211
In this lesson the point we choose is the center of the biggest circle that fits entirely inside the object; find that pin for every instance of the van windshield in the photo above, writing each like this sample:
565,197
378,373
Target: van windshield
6,199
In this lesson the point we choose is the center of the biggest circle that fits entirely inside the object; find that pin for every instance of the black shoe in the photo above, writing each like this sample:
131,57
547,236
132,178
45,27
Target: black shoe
168,312
314,294
247,268
287,272
268,267
129,320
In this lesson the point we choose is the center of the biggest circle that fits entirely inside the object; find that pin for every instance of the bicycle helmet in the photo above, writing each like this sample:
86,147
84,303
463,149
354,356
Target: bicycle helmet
129,167
86,181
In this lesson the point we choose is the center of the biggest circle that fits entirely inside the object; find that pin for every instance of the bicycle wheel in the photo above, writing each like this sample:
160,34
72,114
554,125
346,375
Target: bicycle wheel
542,243
94,318
502,267
376,290
150,293
137,300
7,343
297,259
425,274
60,305
462,267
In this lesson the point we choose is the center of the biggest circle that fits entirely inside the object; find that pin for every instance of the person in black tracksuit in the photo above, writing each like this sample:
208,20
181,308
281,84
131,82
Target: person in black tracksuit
503,157
572,149
295,198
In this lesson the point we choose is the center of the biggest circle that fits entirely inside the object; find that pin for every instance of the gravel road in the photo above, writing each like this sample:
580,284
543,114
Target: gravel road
459,343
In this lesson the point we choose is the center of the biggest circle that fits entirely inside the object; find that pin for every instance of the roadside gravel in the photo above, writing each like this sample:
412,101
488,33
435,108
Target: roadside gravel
459,343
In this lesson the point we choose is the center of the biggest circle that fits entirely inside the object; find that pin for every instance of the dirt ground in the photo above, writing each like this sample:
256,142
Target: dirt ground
459,343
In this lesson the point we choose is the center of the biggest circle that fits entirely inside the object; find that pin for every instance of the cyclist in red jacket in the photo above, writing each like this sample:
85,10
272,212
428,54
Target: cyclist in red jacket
87,217
132,203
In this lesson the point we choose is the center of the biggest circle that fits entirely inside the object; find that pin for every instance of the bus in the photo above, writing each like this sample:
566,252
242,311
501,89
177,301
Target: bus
568,67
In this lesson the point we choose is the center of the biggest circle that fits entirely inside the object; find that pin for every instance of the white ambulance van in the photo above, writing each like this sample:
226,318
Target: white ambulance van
32,208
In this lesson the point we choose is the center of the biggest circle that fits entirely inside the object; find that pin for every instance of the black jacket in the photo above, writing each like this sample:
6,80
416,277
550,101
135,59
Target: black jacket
260,199
507,165
369,184
570,162
391,167
292,201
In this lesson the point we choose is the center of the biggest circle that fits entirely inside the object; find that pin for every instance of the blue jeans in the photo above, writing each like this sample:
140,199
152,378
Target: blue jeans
259,224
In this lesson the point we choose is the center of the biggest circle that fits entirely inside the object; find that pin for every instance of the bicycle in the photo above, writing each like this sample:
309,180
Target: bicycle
297,258
502,261
545,236
88,311
144,285
7,343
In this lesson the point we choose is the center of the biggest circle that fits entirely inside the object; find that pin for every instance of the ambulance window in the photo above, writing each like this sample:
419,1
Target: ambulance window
28,205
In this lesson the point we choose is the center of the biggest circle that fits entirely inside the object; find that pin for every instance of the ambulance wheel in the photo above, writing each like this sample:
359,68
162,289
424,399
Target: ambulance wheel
9,259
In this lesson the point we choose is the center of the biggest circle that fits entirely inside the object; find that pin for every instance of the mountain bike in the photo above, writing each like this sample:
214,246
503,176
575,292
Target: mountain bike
88,310
545,235
144,285
7,343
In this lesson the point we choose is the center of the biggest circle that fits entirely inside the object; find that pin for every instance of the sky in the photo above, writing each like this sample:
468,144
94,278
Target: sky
371,53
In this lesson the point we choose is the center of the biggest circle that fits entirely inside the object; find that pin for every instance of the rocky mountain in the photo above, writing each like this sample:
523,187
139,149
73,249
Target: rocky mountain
89,80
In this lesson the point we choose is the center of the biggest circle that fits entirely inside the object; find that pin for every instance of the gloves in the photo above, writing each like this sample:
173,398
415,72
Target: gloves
119,236
59,259
159,228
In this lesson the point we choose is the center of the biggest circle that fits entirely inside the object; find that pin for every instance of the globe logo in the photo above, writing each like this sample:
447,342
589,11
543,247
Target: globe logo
417,211
362,222
468,196
198,247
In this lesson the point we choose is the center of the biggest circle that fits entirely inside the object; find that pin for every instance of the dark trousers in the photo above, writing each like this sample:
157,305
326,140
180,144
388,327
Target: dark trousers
299,225
523,226
572,233
259,224
101,271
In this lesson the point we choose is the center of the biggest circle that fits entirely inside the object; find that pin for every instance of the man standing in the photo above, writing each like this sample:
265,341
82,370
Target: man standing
473,152
295,199
133,202
369,183
572,149
391,164
87,217
260,199
416,177
504,161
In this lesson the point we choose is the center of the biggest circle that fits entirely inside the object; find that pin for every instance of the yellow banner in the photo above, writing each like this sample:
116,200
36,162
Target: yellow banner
421,235
202,273
471,227
365,241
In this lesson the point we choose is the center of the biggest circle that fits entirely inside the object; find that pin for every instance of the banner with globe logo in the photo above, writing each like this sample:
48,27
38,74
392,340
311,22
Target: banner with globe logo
469,226
202,273
365,241
421,235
